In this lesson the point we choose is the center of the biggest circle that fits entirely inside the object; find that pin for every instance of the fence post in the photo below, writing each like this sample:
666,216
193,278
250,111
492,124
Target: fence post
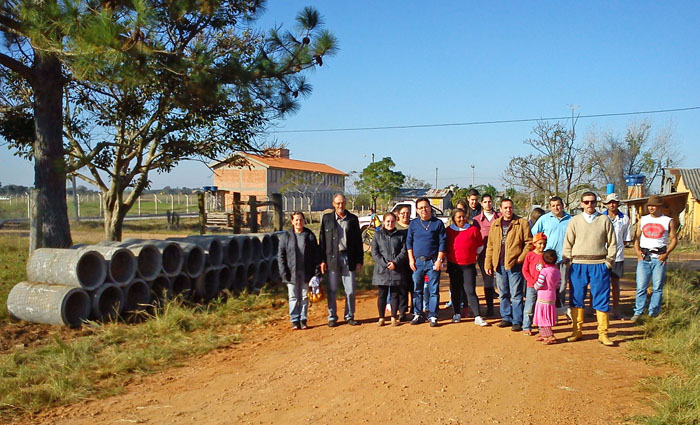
172,202
278,214
253,215
187,204
155,202
202,213
100,199
77,210
139,202
237,212
29,206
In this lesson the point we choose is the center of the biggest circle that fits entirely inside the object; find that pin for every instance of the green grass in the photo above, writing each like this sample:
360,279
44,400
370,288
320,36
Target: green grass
90,206
99,365
674,339
14,251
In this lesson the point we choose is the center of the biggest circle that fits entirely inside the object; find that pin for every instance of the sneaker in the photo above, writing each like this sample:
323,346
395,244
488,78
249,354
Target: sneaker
516,328
448,304
303,324
417,319
380,322
394,321
635,318
353,322
479,321
332,323
433,322
504,324
296,326
456,318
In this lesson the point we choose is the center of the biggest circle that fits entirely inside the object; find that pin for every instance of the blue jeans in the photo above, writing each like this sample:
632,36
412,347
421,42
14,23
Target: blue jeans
530,299
646,270
298,301
423,268
510,284
349,284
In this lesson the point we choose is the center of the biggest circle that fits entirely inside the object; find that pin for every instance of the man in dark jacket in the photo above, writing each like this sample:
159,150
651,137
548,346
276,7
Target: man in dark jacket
298,260
342,255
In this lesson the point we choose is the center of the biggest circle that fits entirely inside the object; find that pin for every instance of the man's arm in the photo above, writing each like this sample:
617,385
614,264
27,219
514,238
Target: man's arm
489,252
672,241
612,244
322,245
637,236
569,239
527,239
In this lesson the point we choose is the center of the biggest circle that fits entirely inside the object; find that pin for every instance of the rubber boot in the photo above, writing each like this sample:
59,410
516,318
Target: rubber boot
577,320
603,323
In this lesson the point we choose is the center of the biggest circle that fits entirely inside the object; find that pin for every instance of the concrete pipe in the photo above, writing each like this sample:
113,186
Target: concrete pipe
194,258
262,276
78,268
267,246
244,249
206,286
148,257
211,246
121,263
274,272
225,278
251,273
48,303
107,302
231,248
161,288
256,250
172,257
239,278
137,296
182,285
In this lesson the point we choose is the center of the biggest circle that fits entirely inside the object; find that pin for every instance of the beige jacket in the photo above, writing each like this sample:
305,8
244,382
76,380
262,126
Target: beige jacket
518,243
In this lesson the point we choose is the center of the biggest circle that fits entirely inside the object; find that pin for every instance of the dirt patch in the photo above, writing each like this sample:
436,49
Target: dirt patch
18,335
456,373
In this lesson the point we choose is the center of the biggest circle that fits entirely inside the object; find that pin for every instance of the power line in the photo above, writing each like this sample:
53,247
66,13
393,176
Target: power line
458,124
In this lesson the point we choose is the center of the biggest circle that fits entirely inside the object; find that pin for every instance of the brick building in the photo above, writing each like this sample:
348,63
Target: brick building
304,185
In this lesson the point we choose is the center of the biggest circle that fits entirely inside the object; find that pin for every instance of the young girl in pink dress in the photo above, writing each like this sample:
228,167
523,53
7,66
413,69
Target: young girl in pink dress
545,308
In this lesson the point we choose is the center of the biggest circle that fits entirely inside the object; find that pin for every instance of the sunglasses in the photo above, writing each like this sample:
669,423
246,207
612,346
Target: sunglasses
587,202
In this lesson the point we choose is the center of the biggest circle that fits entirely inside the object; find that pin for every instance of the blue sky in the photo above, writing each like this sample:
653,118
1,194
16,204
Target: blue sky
411,62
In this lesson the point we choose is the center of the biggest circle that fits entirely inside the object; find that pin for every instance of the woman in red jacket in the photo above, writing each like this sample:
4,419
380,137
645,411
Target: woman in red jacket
464,242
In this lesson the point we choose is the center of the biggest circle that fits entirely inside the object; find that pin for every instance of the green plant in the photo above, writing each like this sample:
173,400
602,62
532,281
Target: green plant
674,338
98,365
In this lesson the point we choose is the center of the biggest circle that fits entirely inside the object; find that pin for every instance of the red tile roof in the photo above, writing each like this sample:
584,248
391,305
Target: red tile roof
291,164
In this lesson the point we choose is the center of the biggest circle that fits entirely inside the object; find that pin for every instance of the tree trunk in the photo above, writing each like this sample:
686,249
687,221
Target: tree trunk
49,224
114,221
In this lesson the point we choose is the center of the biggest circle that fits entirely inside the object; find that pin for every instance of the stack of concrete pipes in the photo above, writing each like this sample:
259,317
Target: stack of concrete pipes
118,279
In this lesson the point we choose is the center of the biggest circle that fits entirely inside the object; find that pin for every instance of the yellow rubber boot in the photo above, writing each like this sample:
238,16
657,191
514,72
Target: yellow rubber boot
577,320
603,328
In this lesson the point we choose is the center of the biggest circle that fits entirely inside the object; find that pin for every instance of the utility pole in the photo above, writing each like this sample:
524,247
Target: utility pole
436,177
472,175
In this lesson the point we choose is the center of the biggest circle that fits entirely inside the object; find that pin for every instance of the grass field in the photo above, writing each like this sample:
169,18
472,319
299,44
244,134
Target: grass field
90,206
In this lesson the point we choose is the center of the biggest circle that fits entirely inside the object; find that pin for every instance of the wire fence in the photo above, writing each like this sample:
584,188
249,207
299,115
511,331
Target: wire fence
90,205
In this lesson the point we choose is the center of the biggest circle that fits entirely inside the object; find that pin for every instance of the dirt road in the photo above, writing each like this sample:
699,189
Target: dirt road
456,373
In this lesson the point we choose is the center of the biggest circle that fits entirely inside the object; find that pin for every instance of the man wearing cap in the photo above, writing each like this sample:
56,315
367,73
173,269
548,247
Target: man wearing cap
621,224
655,239
509,242
590,245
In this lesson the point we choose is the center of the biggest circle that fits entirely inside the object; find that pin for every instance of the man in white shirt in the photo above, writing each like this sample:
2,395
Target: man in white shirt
621,224
655,239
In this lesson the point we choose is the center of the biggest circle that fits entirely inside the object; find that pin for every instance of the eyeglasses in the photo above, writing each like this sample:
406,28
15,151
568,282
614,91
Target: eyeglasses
587,202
